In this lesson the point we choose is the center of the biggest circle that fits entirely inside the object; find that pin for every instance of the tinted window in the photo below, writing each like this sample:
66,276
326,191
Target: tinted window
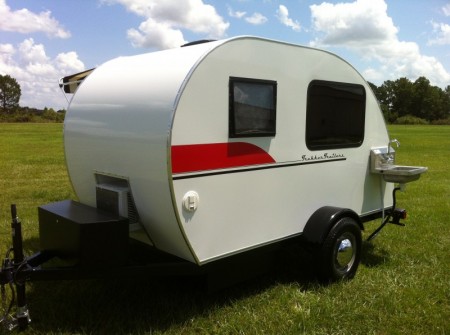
335,115
252,105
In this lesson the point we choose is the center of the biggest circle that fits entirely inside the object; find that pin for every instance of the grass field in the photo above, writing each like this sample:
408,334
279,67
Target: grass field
402,285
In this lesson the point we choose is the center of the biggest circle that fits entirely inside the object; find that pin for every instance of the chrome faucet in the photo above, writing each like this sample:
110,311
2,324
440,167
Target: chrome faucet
390,157
389,144
383,158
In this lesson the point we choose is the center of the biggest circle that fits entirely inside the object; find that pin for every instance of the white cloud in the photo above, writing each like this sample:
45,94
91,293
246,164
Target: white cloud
68,62
7,62
283,16
165,20
442,31
365,27
6,53
155,34
31,52
256,19
373,75
236,14
446,9
37,73
25,22
359,22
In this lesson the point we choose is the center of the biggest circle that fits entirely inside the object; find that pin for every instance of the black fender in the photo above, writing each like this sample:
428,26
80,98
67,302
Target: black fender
323,219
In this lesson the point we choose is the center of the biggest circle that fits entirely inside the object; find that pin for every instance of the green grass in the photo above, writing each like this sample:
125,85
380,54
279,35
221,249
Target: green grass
402,285
32,173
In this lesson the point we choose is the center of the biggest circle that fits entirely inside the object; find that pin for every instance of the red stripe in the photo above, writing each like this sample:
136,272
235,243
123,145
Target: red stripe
201,157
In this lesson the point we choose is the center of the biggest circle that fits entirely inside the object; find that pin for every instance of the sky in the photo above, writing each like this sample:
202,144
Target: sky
44,40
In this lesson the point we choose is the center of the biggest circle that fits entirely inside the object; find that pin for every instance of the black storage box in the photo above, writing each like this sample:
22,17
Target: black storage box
74,231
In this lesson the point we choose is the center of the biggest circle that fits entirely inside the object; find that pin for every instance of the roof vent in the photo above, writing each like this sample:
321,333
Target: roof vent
197,42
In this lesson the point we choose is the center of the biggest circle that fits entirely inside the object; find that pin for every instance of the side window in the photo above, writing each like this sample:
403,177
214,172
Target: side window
252,107
335,115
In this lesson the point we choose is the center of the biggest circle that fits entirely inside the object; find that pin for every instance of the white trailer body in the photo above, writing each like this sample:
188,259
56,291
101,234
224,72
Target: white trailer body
217,148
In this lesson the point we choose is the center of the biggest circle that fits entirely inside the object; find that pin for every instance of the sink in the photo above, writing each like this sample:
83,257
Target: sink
402,174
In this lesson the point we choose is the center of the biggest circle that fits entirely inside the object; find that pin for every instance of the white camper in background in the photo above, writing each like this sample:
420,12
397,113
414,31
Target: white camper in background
218,148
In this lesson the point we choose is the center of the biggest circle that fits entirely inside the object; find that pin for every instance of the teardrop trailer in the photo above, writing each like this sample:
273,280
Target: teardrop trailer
211,151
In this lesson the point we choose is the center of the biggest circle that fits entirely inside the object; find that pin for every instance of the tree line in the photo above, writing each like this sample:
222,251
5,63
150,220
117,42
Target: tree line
406,102
10,111
402,101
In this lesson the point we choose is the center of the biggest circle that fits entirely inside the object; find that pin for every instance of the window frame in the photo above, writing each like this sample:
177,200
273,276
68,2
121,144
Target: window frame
232,132
312,144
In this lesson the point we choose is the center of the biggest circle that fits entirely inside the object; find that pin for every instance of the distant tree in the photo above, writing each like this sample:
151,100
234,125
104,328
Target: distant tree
381,95
408,101
439,103
429,102
402,97
395,98
386,94
49,114
422,101
9,93
444,99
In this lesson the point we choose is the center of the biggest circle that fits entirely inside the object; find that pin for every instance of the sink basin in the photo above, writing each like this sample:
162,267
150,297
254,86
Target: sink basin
402,174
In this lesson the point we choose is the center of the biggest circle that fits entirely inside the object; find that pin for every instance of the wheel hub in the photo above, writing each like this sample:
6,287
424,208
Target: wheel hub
345,252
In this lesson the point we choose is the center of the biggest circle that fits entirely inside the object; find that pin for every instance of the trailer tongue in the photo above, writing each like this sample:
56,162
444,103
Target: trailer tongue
86,254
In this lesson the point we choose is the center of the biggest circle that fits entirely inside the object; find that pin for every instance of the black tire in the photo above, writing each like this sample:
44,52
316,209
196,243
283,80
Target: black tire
340,253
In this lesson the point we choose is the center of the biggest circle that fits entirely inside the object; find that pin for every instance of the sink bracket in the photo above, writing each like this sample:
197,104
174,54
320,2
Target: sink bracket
396,214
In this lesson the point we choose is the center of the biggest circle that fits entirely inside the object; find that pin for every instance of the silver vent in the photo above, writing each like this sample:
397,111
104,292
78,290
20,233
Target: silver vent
114,195
133,215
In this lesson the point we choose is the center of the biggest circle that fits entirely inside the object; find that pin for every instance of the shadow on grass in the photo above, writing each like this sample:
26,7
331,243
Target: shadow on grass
133,305
373,256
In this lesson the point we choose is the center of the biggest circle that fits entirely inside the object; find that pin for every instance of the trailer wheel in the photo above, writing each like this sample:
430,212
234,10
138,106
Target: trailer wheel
340,253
